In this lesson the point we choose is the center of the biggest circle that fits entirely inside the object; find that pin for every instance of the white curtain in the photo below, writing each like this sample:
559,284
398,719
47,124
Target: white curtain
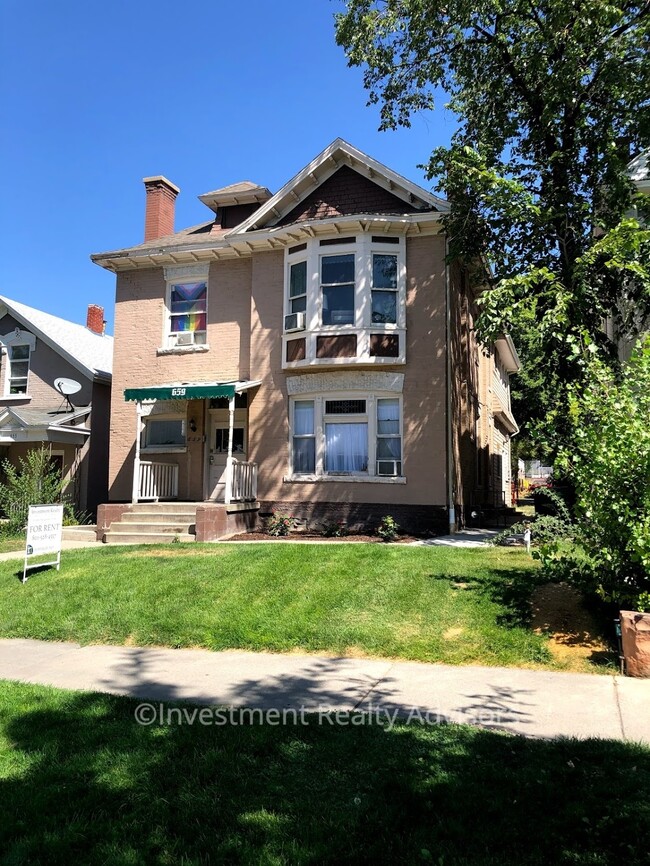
346,447
303,418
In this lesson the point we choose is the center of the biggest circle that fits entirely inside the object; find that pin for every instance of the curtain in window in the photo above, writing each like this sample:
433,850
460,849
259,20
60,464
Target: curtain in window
346,447
388,417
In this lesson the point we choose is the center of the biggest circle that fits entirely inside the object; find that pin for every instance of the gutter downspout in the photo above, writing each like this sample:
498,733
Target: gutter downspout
451,510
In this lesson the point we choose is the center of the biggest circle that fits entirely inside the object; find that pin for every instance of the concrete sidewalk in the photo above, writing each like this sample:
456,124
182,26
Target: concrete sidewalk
532,703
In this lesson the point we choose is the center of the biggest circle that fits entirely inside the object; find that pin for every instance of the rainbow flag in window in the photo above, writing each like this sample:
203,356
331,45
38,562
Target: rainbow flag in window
189,307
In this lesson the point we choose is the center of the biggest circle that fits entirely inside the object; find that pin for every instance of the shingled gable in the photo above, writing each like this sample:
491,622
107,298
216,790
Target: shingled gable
341,180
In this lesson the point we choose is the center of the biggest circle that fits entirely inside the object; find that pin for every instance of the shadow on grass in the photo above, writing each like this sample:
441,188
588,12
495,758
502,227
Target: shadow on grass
84,783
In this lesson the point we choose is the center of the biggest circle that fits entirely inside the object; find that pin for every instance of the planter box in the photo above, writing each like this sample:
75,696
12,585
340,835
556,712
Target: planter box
635,636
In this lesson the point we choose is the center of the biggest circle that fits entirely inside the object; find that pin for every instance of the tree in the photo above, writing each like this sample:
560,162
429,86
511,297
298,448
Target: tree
609,462
551,97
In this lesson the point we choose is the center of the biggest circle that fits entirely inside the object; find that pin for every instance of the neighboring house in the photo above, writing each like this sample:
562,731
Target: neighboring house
639,172
37,350
310,350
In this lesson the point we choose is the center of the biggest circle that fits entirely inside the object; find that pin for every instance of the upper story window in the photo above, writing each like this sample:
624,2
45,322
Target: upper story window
18,346
188,308
18,373
348,296
337,285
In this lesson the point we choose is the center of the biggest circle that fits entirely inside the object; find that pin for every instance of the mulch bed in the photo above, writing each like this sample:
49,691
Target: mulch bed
314,536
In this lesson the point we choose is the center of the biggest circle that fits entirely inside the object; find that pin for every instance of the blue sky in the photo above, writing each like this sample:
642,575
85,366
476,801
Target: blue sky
97,96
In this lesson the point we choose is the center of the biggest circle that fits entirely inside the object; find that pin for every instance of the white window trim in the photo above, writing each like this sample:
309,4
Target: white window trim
177,275
363,249
9,341
369,418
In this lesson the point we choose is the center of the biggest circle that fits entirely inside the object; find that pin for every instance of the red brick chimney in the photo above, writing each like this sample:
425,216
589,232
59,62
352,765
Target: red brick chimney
95,319
159,213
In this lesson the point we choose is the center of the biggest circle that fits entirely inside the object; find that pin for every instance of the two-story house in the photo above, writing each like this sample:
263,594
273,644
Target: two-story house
309,353
55,378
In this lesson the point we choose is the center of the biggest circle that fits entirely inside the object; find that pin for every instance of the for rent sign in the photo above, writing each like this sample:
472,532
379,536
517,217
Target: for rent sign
44,530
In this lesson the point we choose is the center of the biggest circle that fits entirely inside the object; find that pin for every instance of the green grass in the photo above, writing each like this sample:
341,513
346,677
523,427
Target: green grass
81,782
430,604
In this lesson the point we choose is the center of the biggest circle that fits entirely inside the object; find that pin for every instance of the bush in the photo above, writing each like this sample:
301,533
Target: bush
337,529
279,525
388,530
544,530
34,481
610,467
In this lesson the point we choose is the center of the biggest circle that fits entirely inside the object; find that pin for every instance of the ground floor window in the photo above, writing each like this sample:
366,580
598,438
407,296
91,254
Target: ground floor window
164,432
346,436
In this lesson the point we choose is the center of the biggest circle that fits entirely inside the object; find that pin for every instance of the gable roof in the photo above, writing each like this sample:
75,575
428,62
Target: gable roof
338,154
91,354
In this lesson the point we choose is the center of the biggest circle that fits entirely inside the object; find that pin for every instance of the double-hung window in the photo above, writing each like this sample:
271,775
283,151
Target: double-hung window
297,306
384,289
18,373
304,439
337,289
188,307
389,440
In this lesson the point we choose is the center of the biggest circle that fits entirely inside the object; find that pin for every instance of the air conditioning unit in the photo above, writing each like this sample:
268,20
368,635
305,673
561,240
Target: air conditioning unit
294,322
391,468
185,338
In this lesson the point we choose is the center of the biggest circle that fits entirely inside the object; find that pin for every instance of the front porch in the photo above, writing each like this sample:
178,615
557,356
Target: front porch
191,443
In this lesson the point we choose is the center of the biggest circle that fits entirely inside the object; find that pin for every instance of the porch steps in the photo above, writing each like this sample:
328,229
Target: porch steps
154,523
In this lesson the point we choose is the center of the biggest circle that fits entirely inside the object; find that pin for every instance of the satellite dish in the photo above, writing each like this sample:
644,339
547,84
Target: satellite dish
67,386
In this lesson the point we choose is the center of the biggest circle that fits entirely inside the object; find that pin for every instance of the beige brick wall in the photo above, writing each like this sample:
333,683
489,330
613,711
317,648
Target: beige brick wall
245,324
139,327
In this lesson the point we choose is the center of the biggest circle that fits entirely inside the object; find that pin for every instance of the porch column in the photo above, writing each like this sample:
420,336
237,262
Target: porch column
136,458
231,427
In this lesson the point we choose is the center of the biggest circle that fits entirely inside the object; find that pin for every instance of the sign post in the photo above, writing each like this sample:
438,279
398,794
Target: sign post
44,531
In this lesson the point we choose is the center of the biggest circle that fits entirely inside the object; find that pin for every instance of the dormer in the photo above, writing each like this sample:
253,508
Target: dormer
235,203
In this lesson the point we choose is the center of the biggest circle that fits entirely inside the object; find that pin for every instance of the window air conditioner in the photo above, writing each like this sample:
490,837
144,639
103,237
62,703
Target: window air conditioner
185,338
294,322
389,467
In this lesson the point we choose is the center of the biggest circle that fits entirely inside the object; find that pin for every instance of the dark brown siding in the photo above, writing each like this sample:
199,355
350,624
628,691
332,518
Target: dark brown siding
346,192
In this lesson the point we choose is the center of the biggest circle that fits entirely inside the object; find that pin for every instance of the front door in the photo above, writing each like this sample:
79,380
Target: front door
218,453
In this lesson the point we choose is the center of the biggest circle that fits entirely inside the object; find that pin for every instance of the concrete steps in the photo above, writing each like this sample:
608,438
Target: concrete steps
86,532
154,523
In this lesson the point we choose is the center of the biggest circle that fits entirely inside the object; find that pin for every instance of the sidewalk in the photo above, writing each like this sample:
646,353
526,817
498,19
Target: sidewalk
532,703
65,545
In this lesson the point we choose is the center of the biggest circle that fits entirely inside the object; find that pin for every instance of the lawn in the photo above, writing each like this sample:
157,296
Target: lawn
433,604
81,782
10,543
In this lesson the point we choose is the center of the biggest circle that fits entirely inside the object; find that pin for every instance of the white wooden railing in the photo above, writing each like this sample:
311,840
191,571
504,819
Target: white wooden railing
158,480
244,481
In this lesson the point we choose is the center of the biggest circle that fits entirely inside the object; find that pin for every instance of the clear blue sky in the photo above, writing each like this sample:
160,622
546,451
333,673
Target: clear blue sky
96,96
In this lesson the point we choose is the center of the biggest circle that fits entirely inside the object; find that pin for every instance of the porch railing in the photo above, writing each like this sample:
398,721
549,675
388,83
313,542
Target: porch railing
244,481
158,480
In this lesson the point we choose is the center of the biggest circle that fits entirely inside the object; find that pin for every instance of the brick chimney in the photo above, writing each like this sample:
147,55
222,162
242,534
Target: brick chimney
159,213
95,319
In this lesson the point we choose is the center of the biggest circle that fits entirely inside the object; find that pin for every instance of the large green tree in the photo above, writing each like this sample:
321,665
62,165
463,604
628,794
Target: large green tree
551,99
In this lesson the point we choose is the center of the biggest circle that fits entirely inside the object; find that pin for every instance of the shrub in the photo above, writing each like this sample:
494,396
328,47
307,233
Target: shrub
388,529
544,530
279,525
336,529
34,481
610,467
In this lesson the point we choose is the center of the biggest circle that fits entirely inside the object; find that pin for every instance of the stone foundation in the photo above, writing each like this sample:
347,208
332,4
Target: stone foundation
362,516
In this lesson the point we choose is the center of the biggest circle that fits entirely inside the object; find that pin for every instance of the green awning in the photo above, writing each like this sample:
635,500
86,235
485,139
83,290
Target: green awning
182,391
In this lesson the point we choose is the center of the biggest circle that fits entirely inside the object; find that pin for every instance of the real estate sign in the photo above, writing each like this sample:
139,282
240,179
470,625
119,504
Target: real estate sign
44,531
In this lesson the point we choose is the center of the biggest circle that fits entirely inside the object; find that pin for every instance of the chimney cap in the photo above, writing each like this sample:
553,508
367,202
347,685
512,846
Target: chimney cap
159,178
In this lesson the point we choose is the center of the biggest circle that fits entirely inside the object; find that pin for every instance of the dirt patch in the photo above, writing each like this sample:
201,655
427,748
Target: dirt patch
453,633
575,637
313,536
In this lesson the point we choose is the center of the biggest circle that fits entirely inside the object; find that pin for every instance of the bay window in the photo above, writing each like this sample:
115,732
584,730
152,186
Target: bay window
336,436
348,297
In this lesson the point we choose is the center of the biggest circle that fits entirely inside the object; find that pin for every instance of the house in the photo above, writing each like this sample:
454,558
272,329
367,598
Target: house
56,384
309,353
